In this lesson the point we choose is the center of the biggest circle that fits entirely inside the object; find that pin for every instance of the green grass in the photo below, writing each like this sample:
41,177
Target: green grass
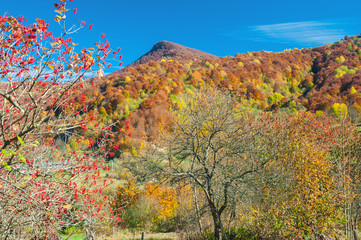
75,237
127,234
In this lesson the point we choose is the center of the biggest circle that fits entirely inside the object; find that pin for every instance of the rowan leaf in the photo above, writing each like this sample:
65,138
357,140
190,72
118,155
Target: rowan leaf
20,140
12,152
7,166
5,152
22,158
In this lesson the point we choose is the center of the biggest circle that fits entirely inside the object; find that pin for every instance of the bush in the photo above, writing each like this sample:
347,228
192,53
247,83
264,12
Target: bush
234,234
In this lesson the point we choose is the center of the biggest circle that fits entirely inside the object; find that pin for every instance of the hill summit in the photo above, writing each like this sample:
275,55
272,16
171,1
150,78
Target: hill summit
166,49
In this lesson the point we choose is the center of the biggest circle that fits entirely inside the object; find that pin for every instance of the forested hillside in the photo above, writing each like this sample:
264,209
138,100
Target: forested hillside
306,79
261,145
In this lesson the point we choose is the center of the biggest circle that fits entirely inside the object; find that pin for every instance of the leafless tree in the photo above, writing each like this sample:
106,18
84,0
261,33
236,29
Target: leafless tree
216,145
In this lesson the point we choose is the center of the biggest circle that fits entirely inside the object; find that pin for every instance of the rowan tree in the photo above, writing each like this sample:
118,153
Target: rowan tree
46,182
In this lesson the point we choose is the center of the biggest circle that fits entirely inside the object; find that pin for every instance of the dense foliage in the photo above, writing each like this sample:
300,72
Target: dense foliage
308,79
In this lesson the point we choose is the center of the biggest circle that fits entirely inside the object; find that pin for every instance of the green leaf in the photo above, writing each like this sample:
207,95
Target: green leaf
5,152
7,166
35,144
22,158
20,140
12,152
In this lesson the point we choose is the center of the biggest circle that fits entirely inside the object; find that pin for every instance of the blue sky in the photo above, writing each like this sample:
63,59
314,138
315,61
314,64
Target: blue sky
222,28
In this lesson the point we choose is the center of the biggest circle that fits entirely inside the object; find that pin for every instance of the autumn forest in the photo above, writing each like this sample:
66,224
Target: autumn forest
180,143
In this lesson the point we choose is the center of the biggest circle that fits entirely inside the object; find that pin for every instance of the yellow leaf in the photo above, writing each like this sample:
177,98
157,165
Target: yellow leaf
64,9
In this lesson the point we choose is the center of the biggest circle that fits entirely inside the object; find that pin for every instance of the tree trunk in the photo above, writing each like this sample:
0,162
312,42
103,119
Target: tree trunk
218,227
197,209
354,229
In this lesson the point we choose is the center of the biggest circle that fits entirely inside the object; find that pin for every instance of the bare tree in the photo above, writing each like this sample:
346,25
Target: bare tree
216,145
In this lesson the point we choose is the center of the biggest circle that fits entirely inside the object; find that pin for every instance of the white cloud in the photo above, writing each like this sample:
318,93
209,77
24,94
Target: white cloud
301,34
305,32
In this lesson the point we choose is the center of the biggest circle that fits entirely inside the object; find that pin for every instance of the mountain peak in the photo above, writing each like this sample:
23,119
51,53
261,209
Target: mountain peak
166,45
166,49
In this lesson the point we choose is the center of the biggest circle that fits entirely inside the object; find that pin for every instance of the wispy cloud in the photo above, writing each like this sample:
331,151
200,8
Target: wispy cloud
305,32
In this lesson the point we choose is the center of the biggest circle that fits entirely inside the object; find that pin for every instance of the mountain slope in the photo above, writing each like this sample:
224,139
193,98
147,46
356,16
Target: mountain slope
289,81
